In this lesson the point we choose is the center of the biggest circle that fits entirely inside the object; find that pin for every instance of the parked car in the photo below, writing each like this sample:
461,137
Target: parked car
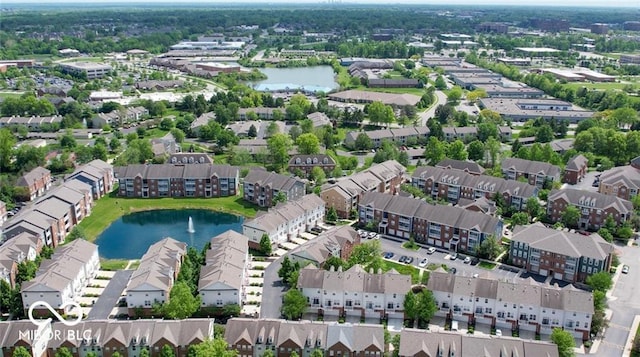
453,256
625,269
402,259
498,332
431,250
475,261
372,235
467,260
388,255
409,260
453,270
423,263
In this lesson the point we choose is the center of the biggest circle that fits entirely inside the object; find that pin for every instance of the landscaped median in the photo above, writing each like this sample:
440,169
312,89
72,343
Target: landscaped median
109,208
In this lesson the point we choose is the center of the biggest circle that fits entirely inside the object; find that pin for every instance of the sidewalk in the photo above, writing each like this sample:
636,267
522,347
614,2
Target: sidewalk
630,338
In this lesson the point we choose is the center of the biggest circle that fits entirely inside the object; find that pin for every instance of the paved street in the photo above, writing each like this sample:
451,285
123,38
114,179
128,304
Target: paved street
441,98
272,291
623,303
109,297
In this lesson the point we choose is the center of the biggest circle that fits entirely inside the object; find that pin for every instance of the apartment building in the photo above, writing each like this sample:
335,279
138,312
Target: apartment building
36,182
345,194
22,247
524,304
224,275
452,185
398,135
335,242
536,173
60,280
563,255
252,338
120,117
354,292
262,113
575,170
622,181
417,343
261,186
306,163
37,223
467,166
319,119
98,174
179,180
155,276
106,337
594,207
464,133
285,220
452,228
77,195
33,123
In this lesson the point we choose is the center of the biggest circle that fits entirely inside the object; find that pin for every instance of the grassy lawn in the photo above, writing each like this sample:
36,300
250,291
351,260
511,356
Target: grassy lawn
602,86
110,208
404,269
487,265
113,264
408,245
10,94
634,352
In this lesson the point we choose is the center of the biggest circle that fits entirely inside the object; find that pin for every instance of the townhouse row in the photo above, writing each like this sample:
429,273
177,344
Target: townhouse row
335,242
354,292
522,304
344,194
452,228
285,220
59,280
559,254
105,337
252,338
536,173
54,215
21,248
120,117
178,180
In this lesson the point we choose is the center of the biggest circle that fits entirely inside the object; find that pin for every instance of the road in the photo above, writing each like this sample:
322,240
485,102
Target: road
623,303
272,291
109,297
441,98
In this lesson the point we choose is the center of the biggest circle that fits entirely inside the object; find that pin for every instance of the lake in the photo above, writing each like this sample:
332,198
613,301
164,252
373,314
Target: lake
316,78
130,236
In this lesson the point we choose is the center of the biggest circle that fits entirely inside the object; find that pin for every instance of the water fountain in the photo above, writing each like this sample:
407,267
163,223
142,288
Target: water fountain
190,226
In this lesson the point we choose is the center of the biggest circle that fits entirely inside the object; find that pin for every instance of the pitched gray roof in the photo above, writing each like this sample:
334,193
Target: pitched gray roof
225,261
321,248
356,279
32,176
158,264
529,166
591,199
576,162
570,244
272,179
464,165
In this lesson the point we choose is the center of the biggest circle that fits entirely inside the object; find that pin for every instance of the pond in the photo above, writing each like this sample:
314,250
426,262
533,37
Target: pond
316,78
130,236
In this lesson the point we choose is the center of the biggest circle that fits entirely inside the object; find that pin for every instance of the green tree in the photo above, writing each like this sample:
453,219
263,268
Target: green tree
116,354
280,197
380,113
493,147
454,95
570,216
182,304
144,352
440,83
318,175
114,144
565,342
308,144
457,151
76,233
544,134
253,132
217,347
489,248
600,281
7,142
421,306
294,304
279,146
363,142
166,124
435,151
533,207
265,244
178,135
317,353
63,352
167,351
332,215
20,351
520,219
476,150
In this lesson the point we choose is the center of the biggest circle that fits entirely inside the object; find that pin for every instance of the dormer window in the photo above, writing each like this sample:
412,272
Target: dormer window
308,160
298,161
325,160
315,160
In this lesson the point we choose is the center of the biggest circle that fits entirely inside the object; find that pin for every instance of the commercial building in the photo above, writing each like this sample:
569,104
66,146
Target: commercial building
358,96
522,304
562,255
89,69
523,109
452,228
401,136
158,270
179,180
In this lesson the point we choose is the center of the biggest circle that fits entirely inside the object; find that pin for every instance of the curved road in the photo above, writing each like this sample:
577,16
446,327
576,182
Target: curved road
441,98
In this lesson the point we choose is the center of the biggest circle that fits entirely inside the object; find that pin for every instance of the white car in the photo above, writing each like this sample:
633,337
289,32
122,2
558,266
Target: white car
467,260
431,250
498,332
423,263
372,235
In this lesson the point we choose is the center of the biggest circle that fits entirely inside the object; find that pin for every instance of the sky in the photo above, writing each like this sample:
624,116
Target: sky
581,3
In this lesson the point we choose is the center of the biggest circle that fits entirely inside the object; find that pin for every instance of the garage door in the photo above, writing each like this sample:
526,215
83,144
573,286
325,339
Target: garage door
544,272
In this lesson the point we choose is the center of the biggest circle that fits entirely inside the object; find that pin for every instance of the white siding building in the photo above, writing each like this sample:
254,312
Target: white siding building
224,275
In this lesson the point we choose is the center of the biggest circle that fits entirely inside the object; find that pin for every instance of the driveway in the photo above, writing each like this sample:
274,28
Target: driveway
109,298
272,291
587,183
